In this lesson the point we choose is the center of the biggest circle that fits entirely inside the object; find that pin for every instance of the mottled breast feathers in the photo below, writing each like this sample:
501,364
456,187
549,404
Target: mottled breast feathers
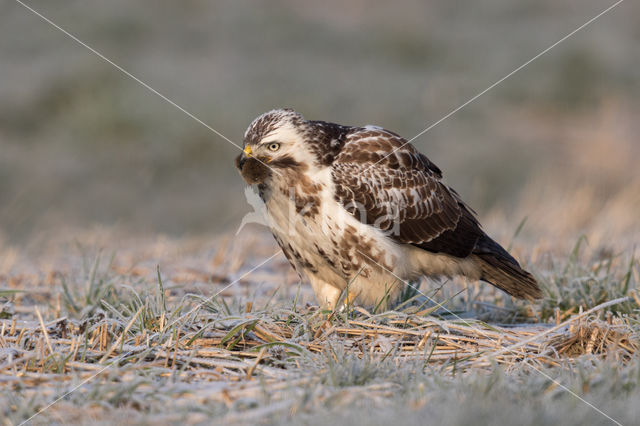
401,193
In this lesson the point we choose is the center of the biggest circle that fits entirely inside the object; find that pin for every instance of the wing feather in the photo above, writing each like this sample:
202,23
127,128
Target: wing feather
402,193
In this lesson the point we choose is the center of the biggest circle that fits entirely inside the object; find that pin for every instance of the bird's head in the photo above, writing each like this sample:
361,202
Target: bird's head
274,142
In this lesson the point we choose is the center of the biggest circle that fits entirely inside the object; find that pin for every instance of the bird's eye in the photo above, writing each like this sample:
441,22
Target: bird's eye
274,146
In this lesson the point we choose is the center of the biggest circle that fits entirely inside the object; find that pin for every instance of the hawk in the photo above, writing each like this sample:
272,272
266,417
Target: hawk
358,211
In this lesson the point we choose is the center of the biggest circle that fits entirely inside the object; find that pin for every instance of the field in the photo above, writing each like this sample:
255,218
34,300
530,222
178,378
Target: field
130,294
199,331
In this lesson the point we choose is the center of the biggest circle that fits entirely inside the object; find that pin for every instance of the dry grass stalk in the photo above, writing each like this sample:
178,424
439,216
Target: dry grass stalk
238,354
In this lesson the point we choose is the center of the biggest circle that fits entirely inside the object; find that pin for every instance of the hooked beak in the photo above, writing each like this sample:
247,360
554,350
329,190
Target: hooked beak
249,153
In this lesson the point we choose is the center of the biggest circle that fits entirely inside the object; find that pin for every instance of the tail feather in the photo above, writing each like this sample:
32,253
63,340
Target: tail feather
500,269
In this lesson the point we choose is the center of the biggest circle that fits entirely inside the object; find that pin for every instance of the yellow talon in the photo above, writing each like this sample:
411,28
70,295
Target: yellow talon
247,151
350,299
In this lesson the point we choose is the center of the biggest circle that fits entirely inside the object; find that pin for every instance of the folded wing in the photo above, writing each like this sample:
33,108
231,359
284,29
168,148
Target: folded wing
401,192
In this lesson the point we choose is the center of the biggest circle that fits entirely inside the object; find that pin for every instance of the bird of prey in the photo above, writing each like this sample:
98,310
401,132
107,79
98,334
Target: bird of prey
360,209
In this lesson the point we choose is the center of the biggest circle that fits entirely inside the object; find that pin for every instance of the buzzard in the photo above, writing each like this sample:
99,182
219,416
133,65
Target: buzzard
359,208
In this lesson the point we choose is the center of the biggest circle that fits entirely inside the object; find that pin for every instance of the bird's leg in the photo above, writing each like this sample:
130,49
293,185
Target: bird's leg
351,297
327,294
348,301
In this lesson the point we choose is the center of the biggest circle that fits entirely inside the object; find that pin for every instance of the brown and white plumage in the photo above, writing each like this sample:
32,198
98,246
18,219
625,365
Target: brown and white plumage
359,206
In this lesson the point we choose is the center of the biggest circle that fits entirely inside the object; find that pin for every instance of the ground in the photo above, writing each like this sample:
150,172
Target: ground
173,331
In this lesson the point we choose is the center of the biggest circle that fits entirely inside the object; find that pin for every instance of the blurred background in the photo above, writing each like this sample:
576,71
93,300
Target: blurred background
84,146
